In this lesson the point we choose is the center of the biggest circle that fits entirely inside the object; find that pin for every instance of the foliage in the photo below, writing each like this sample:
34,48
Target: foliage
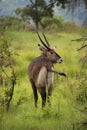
57,24
62,2
70,26
81,96
52,23
7,75
36,11
13,23
71,4
83,72
63,112
39,9
9,22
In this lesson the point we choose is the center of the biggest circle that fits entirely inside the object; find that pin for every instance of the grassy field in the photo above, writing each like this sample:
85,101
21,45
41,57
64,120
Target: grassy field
62,114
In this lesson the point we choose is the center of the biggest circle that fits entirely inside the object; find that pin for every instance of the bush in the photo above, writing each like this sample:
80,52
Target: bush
52,24
70,27
13,23
7,74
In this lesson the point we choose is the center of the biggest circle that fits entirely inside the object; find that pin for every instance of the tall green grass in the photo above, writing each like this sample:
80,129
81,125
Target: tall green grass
62,114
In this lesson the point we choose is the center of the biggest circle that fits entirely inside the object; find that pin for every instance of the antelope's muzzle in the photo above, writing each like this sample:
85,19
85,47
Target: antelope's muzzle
60,60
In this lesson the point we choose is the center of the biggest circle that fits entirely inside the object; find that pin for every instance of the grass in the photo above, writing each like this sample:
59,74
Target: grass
62,114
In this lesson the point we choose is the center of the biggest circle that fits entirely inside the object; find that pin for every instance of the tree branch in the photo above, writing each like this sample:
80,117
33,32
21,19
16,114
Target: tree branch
32,2
80,39
82,47
4,72
59,73
49,5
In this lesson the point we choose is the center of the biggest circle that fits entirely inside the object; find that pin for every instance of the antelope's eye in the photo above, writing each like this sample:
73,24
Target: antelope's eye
51,52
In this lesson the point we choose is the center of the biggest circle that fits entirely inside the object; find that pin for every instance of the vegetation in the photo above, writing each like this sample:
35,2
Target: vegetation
36,11
7,78
55,24
82,95
18,46
67,101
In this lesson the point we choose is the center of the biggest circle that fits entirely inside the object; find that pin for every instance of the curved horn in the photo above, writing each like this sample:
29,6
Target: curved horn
42,41
46,40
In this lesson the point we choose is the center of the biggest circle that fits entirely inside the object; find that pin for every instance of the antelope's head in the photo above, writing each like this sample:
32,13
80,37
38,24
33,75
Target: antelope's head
48,51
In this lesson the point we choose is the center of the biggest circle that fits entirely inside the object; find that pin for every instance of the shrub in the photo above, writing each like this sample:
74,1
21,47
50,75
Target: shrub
52,24
70,27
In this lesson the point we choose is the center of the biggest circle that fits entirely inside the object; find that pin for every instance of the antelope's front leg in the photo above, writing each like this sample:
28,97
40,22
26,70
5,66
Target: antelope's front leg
50,79
50,88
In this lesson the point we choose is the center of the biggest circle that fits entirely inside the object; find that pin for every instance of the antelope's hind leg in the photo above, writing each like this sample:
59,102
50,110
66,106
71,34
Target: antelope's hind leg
35,93
50,85
42,91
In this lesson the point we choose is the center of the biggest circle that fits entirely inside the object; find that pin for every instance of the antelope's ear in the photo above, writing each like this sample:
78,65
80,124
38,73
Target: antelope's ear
40,47
54,48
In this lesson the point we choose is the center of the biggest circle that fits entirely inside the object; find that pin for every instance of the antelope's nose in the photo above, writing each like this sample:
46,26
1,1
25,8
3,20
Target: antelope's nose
60,60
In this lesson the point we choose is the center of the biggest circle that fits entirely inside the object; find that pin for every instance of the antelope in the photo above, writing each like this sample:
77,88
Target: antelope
41,71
